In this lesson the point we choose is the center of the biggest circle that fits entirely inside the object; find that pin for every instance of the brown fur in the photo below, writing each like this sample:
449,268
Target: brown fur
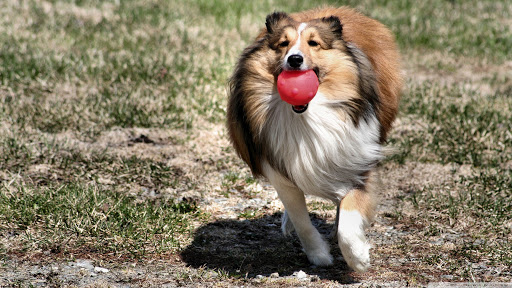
357,65
377,42
344,73
362,199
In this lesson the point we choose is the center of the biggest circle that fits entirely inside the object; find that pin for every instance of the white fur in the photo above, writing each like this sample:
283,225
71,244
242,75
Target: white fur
323,155
352,242
295,49
294,202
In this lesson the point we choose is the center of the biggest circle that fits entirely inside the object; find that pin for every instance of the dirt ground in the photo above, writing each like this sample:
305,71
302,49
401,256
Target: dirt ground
241,245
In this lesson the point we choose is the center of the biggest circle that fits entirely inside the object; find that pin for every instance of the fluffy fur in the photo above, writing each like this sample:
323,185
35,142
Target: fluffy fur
331,148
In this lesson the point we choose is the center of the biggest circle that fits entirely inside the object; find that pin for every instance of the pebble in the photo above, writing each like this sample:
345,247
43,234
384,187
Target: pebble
301,275
274,275
101,270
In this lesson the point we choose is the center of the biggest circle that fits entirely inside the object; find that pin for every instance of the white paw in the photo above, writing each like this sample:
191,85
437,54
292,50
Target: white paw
317,250
356,254
352,242
320,257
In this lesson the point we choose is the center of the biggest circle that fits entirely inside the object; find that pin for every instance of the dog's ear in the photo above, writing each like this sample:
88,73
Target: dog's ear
273,20
334,24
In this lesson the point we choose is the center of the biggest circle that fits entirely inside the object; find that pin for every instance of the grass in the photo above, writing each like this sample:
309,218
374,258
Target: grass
99,221
463,127
81,83
460,127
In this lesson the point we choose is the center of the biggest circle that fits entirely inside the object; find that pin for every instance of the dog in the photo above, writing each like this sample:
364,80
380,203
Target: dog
331,146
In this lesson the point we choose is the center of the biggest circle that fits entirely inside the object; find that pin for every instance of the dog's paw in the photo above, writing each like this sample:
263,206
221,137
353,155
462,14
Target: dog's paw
320,257
352,242
317,249
356,254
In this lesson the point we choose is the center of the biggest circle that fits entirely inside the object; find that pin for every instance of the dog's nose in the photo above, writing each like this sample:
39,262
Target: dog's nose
295,61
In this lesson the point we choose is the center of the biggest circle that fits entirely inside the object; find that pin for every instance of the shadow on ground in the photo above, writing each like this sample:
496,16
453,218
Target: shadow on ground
257,247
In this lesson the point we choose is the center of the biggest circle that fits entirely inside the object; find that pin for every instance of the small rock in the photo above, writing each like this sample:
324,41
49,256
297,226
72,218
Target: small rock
259,277
274,275
101,270
301,275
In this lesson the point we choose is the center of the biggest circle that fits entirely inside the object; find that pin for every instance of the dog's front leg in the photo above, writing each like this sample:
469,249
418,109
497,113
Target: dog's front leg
355,212
314,245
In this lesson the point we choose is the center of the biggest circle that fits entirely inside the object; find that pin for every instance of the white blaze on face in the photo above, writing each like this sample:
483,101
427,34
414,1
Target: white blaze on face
295,48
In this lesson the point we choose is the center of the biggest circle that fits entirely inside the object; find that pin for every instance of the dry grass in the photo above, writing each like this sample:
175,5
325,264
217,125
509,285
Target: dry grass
113,148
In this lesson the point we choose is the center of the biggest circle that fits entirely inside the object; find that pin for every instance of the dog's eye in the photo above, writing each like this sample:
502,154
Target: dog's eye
312,43
284,44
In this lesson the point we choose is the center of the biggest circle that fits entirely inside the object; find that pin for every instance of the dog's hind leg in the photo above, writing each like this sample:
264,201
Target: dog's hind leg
356,212
316,248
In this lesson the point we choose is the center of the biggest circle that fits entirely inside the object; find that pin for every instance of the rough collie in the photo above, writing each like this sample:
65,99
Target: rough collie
330,146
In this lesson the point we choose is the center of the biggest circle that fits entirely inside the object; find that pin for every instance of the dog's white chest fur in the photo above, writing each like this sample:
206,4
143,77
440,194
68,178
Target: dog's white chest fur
322,154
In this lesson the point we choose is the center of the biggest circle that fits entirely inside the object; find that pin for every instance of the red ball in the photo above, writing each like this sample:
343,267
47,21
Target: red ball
297,87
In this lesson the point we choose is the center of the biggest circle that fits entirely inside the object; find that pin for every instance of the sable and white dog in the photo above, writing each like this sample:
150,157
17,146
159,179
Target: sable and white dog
330,146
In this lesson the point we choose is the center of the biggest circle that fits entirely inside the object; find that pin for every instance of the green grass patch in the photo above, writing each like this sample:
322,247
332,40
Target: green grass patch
477,206
450,27
458,126
485,195
64,163
76,219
